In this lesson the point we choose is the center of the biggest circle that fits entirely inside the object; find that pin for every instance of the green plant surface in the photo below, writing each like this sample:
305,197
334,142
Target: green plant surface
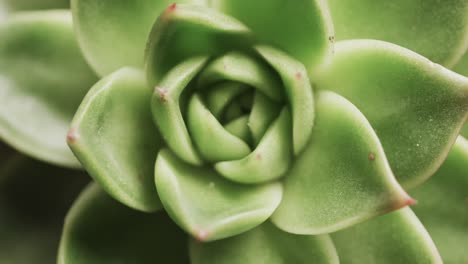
435,29
43,79
235,131
18,5
98,229
397,237
401,109
443,203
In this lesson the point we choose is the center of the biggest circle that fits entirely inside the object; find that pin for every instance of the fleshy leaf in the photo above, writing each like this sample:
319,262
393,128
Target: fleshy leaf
464,131
415,106
43,79
166,109
208,134
221,95
238,67
206,205
398,237
98,229
270,159
17,5
264,111
435,29
299,93
462,65
113,33
301,28
265,244
114,137
209,33
342,177
443,205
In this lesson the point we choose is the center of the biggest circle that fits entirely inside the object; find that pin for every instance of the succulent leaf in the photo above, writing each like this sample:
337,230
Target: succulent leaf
416,107
435,29
443,205
397,237
265,244
113,135
165,106
298,90
462,65
113,33
301,28
342,178
206,205
98,229
270,159
17,5
43,78
209,33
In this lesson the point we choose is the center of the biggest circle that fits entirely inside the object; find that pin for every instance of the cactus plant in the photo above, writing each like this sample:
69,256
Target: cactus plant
245,131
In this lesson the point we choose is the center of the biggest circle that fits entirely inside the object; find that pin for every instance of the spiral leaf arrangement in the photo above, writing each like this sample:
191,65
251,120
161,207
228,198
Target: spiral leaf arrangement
246,124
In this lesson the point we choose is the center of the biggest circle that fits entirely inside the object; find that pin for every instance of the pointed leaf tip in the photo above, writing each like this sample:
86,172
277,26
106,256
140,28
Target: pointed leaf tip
333,184
206,205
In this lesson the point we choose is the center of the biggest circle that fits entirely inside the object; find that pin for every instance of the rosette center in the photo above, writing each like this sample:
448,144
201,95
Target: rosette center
244,113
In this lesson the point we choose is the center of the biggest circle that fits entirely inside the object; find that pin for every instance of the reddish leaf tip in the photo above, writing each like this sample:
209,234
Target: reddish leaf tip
162,92
298,75
410,201
201,236
72,136
172,7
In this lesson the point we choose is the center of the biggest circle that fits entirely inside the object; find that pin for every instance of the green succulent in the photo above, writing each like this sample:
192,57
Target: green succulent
245,131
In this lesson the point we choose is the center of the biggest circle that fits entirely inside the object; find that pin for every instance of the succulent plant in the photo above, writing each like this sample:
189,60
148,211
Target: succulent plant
246,128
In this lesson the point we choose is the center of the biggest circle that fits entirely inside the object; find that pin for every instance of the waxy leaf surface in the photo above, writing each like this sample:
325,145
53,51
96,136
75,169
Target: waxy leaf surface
443,205
416,107
301,28
113,33
99,229
265,244
208,206
43,79
114,137
342,177
397,237
435,29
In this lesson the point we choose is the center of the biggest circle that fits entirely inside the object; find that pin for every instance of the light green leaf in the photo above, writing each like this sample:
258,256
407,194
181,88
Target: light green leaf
443,205
238,67
43,78
270,159
298,90
436,29
398,237
265,244
263,113
301,28
464,131
415,106
167,110
16,5
184,31
462,65
206,205
114,137
98,229
342,178
113,33
220,95
209,135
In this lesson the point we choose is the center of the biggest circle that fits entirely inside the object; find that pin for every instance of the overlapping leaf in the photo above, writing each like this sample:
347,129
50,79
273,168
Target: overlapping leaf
43,78
416,107
114,136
